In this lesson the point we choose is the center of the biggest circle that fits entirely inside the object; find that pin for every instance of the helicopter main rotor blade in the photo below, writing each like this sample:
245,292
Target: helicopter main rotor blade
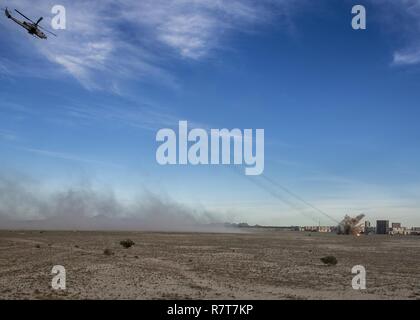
24,16
46,30
39,20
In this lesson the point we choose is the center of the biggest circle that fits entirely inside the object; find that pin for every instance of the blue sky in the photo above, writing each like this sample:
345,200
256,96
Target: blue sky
339,107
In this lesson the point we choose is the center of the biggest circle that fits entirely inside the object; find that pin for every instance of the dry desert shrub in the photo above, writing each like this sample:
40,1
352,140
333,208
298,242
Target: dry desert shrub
127,243
108,252
329,260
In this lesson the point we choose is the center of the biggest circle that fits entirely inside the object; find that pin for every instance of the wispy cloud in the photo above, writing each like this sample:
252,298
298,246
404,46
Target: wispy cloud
135,116
194,27
402,17
67,156
107,41
4,69
407,58
8,136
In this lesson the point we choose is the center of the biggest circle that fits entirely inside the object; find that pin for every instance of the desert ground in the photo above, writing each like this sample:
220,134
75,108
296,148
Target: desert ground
247,265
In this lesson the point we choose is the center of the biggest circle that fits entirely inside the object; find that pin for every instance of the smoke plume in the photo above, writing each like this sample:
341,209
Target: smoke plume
25,205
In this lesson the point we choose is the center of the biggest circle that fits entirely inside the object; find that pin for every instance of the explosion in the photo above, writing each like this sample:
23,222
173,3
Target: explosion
351,225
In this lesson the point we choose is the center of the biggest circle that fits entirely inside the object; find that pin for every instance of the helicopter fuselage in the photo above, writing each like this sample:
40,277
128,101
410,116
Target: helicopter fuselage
33,29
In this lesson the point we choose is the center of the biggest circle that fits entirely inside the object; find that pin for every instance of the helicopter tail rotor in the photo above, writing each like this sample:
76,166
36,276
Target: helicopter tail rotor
7,13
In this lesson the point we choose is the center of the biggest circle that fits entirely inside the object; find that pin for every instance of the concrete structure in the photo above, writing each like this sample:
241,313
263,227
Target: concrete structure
317,229
415,231
398,230
368,228
382,227
324,229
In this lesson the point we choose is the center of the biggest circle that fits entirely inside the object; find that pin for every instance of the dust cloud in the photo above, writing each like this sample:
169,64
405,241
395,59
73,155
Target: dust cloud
24,204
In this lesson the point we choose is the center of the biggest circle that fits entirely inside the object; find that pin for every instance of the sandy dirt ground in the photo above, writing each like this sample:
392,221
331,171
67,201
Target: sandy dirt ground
254,265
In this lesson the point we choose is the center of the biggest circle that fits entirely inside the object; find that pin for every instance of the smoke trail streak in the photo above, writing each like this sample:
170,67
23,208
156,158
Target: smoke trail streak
276,195
294,195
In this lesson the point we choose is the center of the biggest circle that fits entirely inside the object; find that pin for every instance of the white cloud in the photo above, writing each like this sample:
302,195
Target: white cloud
108,41
195,27
407,58
402,17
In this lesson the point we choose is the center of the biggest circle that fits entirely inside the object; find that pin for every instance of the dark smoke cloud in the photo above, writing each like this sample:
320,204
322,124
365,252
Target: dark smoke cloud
23,205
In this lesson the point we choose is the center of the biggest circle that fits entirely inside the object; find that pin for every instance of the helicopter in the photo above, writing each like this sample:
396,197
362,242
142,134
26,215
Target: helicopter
33,27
